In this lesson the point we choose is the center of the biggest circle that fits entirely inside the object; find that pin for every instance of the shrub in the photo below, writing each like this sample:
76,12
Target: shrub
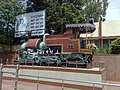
102,51
115,46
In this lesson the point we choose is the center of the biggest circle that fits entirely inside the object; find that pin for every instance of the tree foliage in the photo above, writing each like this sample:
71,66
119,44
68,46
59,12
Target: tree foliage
58,15
115,46
8,11
61,12
95,8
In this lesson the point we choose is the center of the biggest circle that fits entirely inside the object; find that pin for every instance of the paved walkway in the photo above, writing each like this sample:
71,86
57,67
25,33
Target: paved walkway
9,85
112,87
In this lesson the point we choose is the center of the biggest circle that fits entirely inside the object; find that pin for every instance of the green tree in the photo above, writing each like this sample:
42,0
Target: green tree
90,8
8,11
61,12
95,8
115,46
36,5
59,15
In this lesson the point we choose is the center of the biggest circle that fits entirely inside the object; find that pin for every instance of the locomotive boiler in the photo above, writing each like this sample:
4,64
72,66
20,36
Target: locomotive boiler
69,48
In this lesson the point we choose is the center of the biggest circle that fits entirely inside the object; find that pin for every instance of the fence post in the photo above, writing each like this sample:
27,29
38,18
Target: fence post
93,86
66,63
13,61
1,60
1,74
63,84
7,61
40,63
16,78
38,84
76,64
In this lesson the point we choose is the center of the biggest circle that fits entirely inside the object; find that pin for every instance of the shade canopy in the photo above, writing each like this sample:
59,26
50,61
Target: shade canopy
82,28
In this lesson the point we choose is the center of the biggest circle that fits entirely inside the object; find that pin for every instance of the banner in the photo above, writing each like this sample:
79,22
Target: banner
30,22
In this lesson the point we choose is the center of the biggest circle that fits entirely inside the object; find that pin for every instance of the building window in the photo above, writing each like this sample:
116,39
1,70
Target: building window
70,45
106,43
96,42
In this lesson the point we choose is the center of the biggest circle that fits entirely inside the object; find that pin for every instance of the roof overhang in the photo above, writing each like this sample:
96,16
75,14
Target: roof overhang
82,28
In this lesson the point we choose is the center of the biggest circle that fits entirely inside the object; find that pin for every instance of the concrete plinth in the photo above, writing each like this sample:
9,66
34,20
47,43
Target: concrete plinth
61,75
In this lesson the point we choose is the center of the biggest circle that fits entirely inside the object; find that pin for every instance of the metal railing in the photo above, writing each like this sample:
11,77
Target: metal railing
16,74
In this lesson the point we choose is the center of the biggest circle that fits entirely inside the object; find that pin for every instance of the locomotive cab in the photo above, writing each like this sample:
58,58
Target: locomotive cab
80,31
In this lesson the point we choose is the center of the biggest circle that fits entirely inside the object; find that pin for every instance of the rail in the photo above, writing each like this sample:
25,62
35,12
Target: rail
38,77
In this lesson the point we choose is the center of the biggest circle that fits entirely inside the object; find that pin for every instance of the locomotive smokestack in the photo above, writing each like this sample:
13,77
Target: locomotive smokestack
44,37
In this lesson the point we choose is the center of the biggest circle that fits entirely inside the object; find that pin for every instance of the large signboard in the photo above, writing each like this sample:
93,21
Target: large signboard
30,22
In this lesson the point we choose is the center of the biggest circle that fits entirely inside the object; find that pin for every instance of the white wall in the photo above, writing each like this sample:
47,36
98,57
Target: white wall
109,28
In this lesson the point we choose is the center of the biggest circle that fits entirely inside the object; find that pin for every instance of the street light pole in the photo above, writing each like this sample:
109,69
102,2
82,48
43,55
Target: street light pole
101,19
100,34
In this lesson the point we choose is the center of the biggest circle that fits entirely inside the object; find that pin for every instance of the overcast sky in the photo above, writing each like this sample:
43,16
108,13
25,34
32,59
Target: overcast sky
113,11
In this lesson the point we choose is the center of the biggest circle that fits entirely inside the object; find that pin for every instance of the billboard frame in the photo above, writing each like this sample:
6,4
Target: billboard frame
35,32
